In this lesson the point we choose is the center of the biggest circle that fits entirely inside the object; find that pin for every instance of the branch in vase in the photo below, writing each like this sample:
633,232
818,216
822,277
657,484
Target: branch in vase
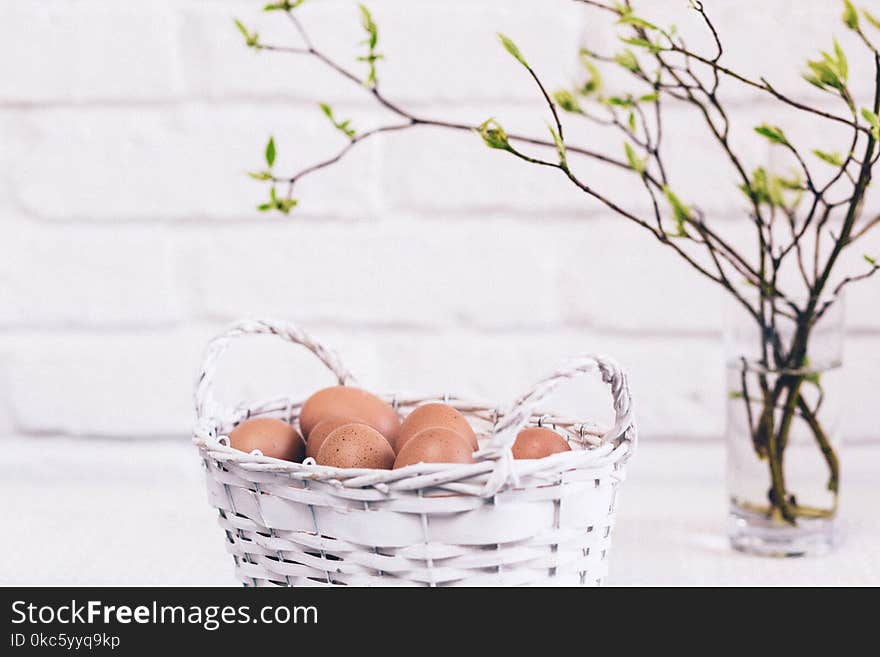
673,72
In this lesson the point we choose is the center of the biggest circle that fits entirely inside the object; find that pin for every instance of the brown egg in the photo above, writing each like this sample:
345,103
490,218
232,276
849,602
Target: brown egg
345,401
356,446
538,442
435,445
434,415
323,429
272,437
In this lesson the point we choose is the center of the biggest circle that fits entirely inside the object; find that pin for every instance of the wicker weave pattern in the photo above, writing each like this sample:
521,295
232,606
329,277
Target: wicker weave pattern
493,522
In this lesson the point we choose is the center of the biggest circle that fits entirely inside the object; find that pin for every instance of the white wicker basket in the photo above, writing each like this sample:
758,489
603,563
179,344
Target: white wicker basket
496,522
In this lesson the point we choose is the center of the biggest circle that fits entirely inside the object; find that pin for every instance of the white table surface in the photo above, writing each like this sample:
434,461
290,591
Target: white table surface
87,512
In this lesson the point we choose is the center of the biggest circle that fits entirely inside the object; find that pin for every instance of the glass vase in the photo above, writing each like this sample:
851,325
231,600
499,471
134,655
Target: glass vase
783,373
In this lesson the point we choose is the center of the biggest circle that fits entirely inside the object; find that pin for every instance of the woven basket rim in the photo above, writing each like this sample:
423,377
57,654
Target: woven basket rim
494,459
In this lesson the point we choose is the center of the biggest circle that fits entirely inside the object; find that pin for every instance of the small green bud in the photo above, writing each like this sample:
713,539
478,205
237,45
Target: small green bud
829,72
840,60
251,40
567,101
285,205
635,162
850,15
628,60
369,26
510,47
494,136
594,82
772,133
680,211
560,146
834,158
872,118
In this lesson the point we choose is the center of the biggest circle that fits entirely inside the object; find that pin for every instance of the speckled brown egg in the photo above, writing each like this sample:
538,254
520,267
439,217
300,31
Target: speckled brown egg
345,401
272,437
435,445
538,442
356,446
323,429
434,415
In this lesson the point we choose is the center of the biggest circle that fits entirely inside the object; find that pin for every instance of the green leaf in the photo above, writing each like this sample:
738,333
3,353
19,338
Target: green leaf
680,211
372,40
343,126
635,162
370,26
826,76
871,18
260,175
758,190
628,60
619,101
510,47
834,158
567,101
629,19
649,98
287,5
813,80
793,183
871,261
850,15
775,192
251,40
371,60
631,121
270,152
842,65
767,189
594,82
872,119
642,43
265,207
285,205
494,136
772,133
560,146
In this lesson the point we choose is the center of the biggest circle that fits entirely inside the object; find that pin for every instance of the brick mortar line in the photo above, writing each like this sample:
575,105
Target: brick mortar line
207,322
747,103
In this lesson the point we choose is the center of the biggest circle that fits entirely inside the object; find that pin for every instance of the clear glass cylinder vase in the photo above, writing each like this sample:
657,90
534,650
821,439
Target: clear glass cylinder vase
784,409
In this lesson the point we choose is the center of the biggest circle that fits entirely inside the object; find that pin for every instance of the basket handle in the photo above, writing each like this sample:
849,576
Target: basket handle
516,417
205,404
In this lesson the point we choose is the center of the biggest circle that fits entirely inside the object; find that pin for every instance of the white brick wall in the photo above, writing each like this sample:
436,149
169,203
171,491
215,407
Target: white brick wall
431,262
